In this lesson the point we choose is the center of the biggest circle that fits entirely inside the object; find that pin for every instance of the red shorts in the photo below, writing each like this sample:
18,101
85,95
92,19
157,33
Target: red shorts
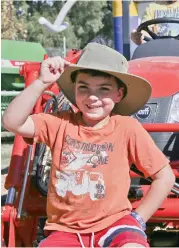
126,230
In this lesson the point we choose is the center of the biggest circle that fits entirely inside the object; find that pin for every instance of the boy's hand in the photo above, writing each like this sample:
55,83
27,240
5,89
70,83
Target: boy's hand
137,37
16,117
51,69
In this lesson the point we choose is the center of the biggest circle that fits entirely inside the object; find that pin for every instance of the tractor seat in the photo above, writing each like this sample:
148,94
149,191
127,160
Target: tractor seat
160,47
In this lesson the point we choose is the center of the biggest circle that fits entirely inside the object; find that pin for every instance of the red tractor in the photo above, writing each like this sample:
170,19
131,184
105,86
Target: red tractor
24,213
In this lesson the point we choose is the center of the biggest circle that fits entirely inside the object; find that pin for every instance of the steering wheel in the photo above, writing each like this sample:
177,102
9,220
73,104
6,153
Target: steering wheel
145,26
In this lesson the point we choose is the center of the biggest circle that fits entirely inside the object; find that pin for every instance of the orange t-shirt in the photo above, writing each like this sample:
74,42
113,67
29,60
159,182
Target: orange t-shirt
89,183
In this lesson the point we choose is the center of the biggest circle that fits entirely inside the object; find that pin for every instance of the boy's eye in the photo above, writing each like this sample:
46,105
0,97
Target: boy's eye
82,87
105,89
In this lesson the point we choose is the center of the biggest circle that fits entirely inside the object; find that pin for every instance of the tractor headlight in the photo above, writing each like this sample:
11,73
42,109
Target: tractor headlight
174,110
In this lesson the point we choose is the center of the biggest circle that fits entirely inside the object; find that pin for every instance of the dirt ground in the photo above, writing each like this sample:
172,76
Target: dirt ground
6,149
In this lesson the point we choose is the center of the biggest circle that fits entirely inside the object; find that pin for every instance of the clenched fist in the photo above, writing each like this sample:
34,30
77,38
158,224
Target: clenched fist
137,37
52,68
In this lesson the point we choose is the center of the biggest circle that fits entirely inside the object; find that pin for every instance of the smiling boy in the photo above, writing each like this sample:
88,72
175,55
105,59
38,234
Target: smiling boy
93,149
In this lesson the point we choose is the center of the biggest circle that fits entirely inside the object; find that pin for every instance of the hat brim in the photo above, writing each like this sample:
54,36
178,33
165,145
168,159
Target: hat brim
138,90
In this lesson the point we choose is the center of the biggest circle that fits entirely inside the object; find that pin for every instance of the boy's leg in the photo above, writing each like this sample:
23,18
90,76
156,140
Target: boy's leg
64,239
126,232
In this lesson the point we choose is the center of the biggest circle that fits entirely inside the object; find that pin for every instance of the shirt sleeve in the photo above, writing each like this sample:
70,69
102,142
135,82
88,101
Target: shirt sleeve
143,152
46,128
149,13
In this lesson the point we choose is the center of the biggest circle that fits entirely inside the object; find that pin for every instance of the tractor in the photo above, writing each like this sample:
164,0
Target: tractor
24,213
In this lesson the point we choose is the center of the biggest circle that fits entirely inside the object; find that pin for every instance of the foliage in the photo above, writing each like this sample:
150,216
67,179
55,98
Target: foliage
12,27
87,19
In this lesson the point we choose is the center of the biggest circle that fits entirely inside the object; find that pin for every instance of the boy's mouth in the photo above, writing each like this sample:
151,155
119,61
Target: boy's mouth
92,107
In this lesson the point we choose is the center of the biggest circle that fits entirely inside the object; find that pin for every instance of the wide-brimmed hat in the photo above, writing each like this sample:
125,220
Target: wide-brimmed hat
102,58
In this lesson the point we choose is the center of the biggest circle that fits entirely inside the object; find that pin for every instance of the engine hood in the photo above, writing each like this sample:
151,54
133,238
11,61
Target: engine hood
161,72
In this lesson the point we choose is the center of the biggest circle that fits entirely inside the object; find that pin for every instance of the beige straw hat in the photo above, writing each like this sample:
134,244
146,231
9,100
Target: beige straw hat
99,57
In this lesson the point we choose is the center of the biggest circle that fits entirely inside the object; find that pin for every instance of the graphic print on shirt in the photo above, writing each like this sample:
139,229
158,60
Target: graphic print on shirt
76,159
166,29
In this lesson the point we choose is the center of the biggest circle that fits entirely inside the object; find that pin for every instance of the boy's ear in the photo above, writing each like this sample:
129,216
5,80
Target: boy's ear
120,95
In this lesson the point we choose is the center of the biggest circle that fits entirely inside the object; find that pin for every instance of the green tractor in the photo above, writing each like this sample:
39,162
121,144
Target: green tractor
13,55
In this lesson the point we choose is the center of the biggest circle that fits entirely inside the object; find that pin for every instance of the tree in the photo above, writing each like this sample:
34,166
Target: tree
88,17
38,33
11,27
87,20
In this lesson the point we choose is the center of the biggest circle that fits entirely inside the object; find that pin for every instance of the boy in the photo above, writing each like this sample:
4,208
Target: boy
92,150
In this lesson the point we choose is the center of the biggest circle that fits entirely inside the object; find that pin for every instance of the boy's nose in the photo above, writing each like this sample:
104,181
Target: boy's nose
93,97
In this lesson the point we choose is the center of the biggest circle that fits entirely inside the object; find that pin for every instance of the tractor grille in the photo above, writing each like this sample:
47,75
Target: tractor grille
157,110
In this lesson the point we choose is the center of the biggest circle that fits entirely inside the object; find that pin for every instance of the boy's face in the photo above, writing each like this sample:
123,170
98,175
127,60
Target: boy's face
96,96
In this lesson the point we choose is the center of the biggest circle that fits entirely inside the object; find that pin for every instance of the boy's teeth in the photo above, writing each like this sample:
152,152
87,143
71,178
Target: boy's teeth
92,106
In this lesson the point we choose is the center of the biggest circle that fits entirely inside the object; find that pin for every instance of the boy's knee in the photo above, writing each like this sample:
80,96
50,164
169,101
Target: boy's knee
132,245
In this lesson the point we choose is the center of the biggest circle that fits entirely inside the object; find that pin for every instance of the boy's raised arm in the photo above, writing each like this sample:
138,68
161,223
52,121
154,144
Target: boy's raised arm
16,117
